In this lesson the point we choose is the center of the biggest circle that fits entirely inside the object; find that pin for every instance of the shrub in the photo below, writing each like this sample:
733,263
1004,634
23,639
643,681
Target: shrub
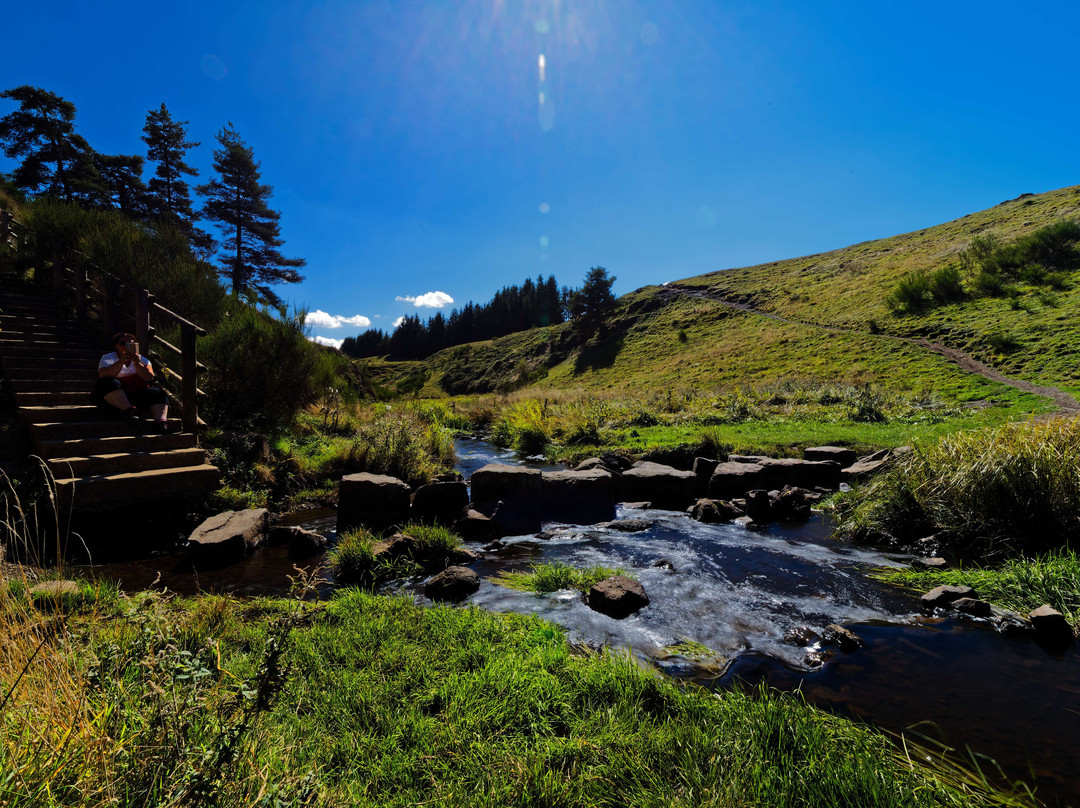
1001,342
866,404
910,294
944,284
402,446
264,370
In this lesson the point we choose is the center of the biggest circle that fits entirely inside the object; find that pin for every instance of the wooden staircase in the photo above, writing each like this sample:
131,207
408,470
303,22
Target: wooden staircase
99,464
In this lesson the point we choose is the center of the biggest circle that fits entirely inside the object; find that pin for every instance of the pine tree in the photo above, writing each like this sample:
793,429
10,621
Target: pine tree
118,183
592,304
169,195
237,201
42,132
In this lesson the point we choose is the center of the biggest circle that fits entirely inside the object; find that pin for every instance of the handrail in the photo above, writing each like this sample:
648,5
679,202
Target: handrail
111,290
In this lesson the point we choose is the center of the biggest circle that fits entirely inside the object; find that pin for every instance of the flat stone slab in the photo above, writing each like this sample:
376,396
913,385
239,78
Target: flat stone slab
945,595
580,497
229,536
54,589
838,454
665,486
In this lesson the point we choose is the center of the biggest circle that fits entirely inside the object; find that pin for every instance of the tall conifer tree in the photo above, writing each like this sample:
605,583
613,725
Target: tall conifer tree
237,202
169,196
42,132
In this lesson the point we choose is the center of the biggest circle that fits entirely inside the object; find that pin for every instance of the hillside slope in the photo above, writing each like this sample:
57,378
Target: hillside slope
838,326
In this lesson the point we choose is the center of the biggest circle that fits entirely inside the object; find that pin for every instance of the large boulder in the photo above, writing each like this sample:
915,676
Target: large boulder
580,497
517,488
229,536
617,596
734,478
781,471
1050,625
704,467
375,501
664,486
452,584
440,502
837,454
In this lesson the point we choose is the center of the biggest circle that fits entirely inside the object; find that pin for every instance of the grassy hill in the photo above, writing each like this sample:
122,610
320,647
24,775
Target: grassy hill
662,339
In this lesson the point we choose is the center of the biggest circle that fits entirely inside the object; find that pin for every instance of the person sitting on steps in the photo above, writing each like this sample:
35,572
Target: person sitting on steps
126,381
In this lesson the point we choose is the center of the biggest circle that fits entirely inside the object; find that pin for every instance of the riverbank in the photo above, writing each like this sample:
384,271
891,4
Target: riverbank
370,700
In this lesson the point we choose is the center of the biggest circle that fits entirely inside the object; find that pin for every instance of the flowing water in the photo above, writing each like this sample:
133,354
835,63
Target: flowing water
759,599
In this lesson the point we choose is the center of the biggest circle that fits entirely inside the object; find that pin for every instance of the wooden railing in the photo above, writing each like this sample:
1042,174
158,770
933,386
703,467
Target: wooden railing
96,292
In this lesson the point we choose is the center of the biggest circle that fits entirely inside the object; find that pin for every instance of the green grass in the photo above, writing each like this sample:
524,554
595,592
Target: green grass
543,578
984,494
373,701
1019,584
353,560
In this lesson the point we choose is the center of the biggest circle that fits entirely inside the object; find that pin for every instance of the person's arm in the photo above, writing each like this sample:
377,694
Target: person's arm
144,372
110,371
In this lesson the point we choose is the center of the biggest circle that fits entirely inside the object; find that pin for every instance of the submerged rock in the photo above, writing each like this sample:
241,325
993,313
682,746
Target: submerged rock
302,542
713,511
844,639
935,563
452,584
664,564
973,607
617,596
633,525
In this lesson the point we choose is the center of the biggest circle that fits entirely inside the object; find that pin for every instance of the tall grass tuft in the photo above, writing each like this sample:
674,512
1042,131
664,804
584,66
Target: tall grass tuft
987,493
543,578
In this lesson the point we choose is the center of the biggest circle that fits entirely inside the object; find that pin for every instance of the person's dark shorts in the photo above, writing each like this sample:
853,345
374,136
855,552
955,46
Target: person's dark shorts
143,399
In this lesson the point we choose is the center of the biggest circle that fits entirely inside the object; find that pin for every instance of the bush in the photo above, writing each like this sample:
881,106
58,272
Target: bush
945,285
910,294
1002,343
264,370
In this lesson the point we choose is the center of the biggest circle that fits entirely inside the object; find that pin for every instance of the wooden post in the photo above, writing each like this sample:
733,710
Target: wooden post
142,320
80,286
108,306
189,396
57,275
4,227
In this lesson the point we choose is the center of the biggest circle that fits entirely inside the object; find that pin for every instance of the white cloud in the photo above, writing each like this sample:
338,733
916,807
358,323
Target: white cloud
320,319
399,321
428,300
327,341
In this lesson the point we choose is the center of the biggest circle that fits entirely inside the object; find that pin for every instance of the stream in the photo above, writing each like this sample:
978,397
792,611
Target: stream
758,599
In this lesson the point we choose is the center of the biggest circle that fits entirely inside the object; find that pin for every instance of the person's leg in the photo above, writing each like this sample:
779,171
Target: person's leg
109,394
154,400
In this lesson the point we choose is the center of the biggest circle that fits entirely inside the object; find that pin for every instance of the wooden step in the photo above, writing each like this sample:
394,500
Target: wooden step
78,430
56,350
49,362
48,449
30,384
125,462
52,399
100,492
56,413
87,375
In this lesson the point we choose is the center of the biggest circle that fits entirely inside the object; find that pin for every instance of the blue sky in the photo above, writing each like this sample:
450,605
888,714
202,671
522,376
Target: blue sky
411,153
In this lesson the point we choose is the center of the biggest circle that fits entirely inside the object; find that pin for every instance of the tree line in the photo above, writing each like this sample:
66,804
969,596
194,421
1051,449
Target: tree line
533,304
56,161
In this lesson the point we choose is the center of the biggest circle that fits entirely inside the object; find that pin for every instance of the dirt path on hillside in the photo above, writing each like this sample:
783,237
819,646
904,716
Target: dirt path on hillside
1065,403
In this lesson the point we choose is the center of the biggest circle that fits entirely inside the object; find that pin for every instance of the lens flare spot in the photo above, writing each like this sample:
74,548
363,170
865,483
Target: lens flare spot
212,66
544,241
545,207
542,64
649,33
546,114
